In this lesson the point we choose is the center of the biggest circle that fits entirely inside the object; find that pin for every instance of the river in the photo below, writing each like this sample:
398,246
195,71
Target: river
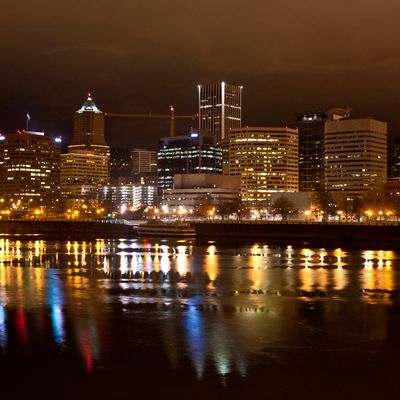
123,317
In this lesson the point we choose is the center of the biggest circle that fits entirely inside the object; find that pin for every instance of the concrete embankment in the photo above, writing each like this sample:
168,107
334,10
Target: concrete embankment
299,231
62,228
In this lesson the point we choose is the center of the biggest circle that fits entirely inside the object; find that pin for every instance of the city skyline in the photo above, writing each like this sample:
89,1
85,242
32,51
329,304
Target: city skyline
141,60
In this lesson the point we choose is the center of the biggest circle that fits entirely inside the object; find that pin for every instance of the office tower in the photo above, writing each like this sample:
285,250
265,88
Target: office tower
89,129
396,159
82,169
266,160
144,162
87,163
311,126
29,167
355,156
194,152
220,108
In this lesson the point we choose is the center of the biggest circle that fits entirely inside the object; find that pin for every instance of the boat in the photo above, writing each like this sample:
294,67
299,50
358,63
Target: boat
166,229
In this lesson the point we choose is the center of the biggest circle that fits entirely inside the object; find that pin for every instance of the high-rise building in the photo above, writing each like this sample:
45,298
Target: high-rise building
29,166
311,126
143,162
266,160
83,168
395,172
220,108
194,152
355,156
87,163
89,129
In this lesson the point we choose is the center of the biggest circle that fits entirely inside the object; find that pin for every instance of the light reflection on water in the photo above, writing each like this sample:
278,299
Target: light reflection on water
218,305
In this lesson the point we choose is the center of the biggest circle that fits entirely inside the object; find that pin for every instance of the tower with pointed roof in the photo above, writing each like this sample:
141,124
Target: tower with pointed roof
87,163
89,129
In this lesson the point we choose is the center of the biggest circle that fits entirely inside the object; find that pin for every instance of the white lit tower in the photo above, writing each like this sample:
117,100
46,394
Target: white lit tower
220,108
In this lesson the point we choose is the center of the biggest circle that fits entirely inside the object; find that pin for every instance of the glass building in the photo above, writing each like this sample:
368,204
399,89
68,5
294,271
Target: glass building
311,127
396,159
194,152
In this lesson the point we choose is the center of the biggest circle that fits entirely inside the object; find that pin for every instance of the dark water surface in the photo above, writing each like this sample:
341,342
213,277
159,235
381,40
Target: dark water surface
122,318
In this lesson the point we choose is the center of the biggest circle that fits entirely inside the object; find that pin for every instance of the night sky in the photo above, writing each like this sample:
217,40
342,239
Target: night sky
137,56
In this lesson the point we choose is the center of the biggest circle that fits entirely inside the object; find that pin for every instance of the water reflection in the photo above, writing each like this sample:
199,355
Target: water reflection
217,306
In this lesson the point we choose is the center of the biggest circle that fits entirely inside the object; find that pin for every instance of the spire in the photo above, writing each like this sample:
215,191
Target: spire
89,106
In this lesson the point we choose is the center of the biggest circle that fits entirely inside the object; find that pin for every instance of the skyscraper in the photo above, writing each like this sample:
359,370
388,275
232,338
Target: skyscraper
194,152
29,166
395,172
355,156
143,162
220,108
87,162
311,126
89,129
266,160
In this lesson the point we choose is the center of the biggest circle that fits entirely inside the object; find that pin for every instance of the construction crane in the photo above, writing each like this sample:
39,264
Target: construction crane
171,116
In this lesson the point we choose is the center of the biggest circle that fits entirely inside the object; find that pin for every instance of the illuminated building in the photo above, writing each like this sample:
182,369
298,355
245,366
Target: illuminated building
396,158
127,197
144,165
89,129
192,190
194,152
220,108
143,161
355,156
266,159
311,126
83,168
29,166
87,162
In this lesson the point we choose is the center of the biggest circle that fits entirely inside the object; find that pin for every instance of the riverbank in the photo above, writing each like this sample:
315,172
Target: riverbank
243,231
316,232
65,229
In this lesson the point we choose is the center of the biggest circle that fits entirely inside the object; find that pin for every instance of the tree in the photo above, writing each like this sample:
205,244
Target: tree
325,204
228,208
206,208
283,206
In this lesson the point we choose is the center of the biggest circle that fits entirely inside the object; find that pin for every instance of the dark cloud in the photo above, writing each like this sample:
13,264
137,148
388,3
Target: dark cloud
145,55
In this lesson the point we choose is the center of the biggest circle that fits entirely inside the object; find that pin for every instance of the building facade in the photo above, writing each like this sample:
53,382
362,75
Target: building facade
144,166
83,168
193,190
311,127
130,197
194,152
395,171
87,162
89,129
220,108
29,166
266,161
355,156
